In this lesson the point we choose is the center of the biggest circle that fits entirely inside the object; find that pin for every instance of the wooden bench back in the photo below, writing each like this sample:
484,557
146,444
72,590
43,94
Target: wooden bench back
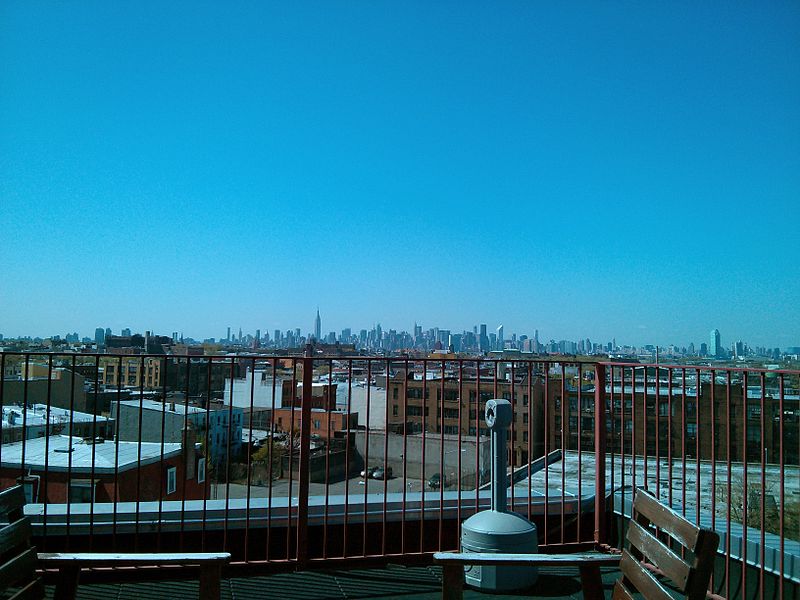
687,570
18,577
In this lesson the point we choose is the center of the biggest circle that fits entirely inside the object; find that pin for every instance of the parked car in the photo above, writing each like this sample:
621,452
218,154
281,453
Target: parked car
368,472
435,482
381,473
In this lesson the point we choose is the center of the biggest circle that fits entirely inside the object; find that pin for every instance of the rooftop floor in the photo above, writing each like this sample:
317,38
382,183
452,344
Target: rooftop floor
408,583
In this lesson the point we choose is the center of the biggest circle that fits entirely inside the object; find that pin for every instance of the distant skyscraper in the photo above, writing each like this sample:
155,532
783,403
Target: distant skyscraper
100,336
228,337
715,345
500,339
318,327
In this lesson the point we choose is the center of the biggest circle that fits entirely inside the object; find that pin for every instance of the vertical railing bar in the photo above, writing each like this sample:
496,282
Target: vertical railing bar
48,432
566,433
305,456
211,466
622,421
613,429
139,448
249,462
698,485
782,513
745,507
530,370
94,451
683,442
579,446
424,445
669,433
366,462
441,453
405,456
116,449
633,431
729,445
228,459
347,457
514,432
291,440
385,458
25,412
658,431
184,451
547,448
268,537
460,440
328,438
600,451
186,436
763,451
2,404
645,422
69,445
477,433
713,459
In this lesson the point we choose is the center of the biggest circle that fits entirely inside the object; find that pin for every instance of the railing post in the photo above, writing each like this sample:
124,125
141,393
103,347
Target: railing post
600,453
305,453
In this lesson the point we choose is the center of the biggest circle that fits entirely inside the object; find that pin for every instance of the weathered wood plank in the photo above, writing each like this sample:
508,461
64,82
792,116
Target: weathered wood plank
642,579
12,502
485,558
666,519
20,568
15,535
95,559
452,582
659,554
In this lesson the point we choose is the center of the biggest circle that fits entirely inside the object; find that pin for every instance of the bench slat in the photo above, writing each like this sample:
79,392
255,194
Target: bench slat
486,558
96,559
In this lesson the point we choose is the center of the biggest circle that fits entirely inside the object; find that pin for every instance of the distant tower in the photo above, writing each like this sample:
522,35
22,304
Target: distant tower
318,327
715,346
500,339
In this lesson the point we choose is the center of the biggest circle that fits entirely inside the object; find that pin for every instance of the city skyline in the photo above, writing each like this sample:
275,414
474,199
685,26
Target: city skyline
716,347
587,170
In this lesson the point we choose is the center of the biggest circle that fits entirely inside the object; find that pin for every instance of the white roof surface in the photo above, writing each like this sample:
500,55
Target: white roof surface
53,451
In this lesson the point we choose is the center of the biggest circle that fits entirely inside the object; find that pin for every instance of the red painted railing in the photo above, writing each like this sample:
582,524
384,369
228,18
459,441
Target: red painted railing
719,444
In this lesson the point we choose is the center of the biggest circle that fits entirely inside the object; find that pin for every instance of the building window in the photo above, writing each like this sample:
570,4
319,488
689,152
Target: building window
395,410
201,470
81,490
316,424
172,480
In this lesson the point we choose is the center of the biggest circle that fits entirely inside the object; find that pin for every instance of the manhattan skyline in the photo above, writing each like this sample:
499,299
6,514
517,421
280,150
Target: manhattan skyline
585,170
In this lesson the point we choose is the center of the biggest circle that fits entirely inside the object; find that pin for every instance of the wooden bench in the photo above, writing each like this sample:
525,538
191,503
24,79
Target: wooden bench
649,566
588,563
18,575
650,563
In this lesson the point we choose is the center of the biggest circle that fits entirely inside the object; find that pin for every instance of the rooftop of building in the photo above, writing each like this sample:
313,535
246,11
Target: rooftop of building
62,453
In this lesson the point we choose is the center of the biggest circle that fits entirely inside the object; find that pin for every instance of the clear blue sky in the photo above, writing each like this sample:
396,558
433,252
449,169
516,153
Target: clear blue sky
588,169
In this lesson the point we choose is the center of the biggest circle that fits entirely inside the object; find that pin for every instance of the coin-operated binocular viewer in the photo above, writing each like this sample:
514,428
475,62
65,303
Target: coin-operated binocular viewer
497,530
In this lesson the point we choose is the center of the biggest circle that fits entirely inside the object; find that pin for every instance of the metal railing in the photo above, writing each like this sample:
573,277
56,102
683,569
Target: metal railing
286,461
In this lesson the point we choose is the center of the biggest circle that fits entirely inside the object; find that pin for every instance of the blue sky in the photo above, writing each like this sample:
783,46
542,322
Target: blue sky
627,170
